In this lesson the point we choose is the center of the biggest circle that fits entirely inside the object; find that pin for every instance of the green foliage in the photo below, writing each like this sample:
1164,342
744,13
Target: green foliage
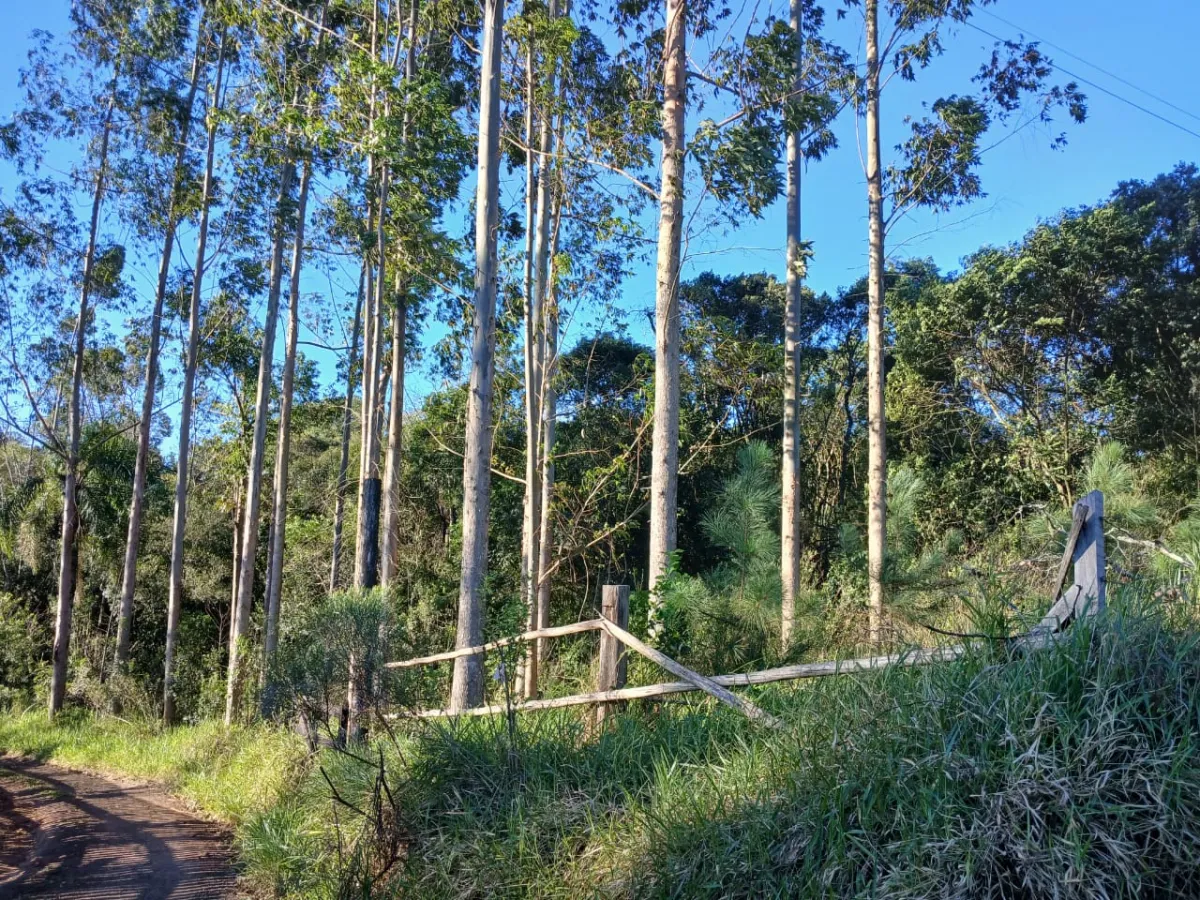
22,645
1069,770
232,774
729,618
345,638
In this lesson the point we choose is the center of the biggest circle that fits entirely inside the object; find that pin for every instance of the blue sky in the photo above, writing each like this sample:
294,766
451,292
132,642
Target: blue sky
1150,45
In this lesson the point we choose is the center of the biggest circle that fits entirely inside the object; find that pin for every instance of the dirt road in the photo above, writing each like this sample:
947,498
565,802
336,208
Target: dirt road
71,836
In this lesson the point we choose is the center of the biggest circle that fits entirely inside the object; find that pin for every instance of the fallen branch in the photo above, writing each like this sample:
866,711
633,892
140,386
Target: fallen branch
1154,545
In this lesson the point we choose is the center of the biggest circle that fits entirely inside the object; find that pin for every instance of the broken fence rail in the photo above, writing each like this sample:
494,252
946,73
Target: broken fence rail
1084,551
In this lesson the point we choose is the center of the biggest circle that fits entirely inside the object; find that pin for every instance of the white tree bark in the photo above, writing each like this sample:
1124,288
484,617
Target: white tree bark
254,474
366,563
339,509
284,442
534,350
790,521
138,500
366,421
183,457
395,445
389,553
549,407
366,546
665,457
467,688
69,548
876,421
542,326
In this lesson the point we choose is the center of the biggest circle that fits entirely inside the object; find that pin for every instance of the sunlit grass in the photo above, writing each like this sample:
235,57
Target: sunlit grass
1070,772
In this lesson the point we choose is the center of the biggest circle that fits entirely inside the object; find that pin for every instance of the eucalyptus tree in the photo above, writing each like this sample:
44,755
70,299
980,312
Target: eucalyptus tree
395,425
187,400
108,45
428,156
821,77
247,540
378,68
938,169
546,44
577,138
736,159
309,81
177,177
467,687
339,509
282,48
665,441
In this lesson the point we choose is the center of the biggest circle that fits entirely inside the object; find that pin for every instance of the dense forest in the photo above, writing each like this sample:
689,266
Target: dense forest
192,465
328,340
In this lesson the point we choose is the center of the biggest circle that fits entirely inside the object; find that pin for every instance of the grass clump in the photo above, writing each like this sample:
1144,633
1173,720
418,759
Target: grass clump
1067,773
1072,772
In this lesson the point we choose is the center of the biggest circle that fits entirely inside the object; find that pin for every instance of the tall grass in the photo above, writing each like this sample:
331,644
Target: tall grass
230,774
1069,772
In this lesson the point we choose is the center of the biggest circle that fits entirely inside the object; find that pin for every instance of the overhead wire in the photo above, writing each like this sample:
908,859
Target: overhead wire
1113,75
1095,85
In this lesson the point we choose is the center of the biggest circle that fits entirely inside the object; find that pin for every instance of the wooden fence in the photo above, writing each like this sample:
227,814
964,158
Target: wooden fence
1084,553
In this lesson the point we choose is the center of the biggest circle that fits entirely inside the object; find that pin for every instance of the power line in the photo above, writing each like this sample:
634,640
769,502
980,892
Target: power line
1101,69
1098,87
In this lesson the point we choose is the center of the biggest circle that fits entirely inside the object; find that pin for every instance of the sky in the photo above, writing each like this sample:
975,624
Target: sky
1120,49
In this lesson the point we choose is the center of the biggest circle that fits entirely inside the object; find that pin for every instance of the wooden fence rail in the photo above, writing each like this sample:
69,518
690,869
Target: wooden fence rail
1084,552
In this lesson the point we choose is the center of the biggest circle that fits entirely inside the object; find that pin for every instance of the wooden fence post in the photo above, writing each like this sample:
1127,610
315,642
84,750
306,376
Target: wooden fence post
1090,565
614,661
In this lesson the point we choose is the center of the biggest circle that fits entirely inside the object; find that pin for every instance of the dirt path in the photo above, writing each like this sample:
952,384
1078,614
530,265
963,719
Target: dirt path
71,836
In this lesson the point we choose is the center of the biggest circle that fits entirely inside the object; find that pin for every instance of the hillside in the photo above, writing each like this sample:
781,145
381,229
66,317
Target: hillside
1069,772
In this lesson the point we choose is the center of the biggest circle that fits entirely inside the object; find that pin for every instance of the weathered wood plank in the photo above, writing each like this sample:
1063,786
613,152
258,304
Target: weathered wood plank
1090,564
766,676
1078,516
703,682
613,663
556,631
1061,613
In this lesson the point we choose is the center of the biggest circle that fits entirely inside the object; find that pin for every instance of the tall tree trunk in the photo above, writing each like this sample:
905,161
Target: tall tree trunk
366,564
366,419
254,474
790,529
665,456
283,444
179,521
237,556
876,421
548,301
389,559
395,445
848,428
467,688
540,401
69,548
366,547
138,501
534,349
339,509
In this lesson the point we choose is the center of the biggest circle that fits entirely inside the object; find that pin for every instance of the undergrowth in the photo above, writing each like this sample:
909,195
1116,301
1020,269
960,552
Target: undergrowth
1070,772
